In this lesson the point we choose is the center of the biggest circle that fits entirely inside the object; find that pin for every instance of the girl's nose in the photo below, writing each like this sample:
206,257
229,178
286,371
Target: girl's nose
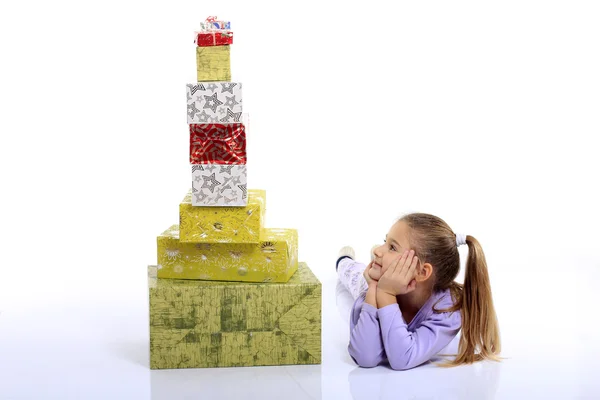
373,252
377,250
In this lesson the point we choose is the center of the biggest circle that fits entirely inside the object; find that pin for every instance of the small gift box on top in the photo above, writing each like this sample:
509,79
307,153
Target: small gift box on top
213,60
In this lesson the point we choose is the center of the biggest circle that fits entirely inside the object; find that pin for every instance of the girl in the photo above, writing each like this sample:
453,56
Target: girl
408,306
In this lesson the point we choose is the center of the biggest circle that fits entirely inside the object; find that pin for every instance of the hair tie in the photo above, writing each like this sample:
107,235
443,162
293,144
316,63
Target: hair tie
460,239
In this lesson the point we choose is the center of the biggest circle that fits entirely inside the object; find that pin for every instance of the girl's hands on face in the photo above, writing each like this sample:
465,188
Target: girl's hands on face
398,277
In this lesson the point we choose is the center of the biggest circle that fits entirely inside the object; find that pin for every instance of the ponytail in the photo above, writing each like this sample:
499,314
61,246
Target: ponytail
436,243
480,338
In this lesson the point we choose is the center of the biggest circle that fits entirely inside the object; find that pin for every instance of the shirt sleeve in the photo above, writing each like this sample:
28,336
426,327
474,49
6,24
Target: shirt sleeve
366,346
406,349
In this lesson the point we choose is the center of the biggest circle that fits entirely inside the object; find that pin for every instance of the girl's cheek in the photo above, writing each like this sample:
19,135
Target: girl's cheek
384,267
386,261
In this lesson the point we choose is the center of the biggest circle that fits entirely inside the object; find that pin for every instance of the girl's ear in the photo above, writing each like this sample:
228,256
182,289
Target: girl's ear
424,272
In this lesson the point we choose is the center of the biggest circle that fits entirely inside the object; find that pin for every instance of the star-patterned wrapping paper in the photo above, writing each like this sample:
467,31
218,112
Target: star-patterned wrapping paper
214,38
223,224
218,143
217,185
205,324
214,102
274,259
213,63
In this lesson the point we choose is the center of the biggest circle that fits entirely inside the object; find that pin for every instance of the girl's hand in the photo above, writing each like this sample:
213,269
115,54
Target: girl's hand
398,278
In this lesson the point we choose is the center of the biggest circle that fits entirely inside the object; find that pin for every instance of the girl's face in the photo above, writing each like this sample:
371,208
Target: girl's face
396,242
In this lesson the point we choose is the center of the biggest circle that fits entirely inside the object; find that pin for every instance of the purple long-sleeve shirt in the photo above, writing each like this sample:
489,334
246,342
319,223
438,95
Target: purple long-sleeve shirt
377,335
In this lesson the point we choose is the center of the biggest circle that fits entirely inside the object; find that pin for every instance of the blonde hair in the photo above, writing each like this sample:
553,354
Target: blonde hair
435,243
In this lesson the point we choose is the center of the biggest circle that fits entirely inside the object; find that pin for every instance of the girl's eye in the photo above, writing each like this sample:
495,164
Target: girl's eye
391,245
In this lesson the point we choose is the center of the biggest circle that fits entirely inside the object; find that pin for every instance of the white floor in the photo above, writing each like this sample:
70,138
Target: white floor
80,348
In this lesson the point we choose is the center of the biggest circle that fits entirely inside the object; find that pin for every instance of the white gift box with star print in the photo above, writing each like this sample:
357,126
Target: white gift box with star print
214,102
219,185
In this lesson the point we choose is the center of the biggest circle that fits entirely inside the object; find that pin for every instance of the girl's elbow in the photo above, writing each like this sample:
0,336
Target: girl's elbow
364,360
403,358
399,367
403,365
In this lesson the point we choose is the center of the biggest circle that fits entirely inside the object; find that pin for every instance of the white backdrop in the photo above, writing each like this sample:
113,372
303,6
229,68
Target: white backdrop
483,114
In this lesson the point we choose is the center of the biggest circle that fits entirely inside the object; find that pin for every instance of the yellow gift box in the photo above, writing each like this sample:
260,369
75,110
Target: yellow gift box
274,259
199,324
213,63
222,224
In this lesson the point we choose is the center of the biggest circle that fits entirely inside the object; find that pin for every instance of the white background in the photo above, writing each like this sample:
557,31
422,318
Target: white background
485,114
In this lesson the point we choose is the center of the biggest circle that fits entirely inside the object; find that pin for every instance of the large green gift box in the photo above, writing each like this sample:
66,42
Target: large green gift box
195,323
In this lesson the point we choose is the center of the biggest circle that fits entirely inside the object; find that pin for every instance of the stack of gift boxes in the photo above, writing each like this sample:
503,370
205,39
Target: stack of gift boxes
227,291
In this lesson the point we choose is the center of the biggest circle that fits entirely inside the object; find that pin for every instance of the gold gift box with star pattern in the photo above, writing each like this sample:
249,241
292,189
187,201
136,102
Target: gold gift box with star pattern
213,63
223,224
200,324
274,259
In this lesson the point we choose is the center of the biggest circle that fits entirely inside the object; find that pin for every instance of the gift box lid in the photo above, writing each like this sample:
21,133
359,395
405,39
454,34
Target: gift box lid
303,276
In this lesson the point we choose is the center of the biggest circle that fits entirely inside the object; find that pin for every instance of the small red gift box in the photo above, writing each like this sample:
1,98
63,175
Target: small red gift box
218,143
214,38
